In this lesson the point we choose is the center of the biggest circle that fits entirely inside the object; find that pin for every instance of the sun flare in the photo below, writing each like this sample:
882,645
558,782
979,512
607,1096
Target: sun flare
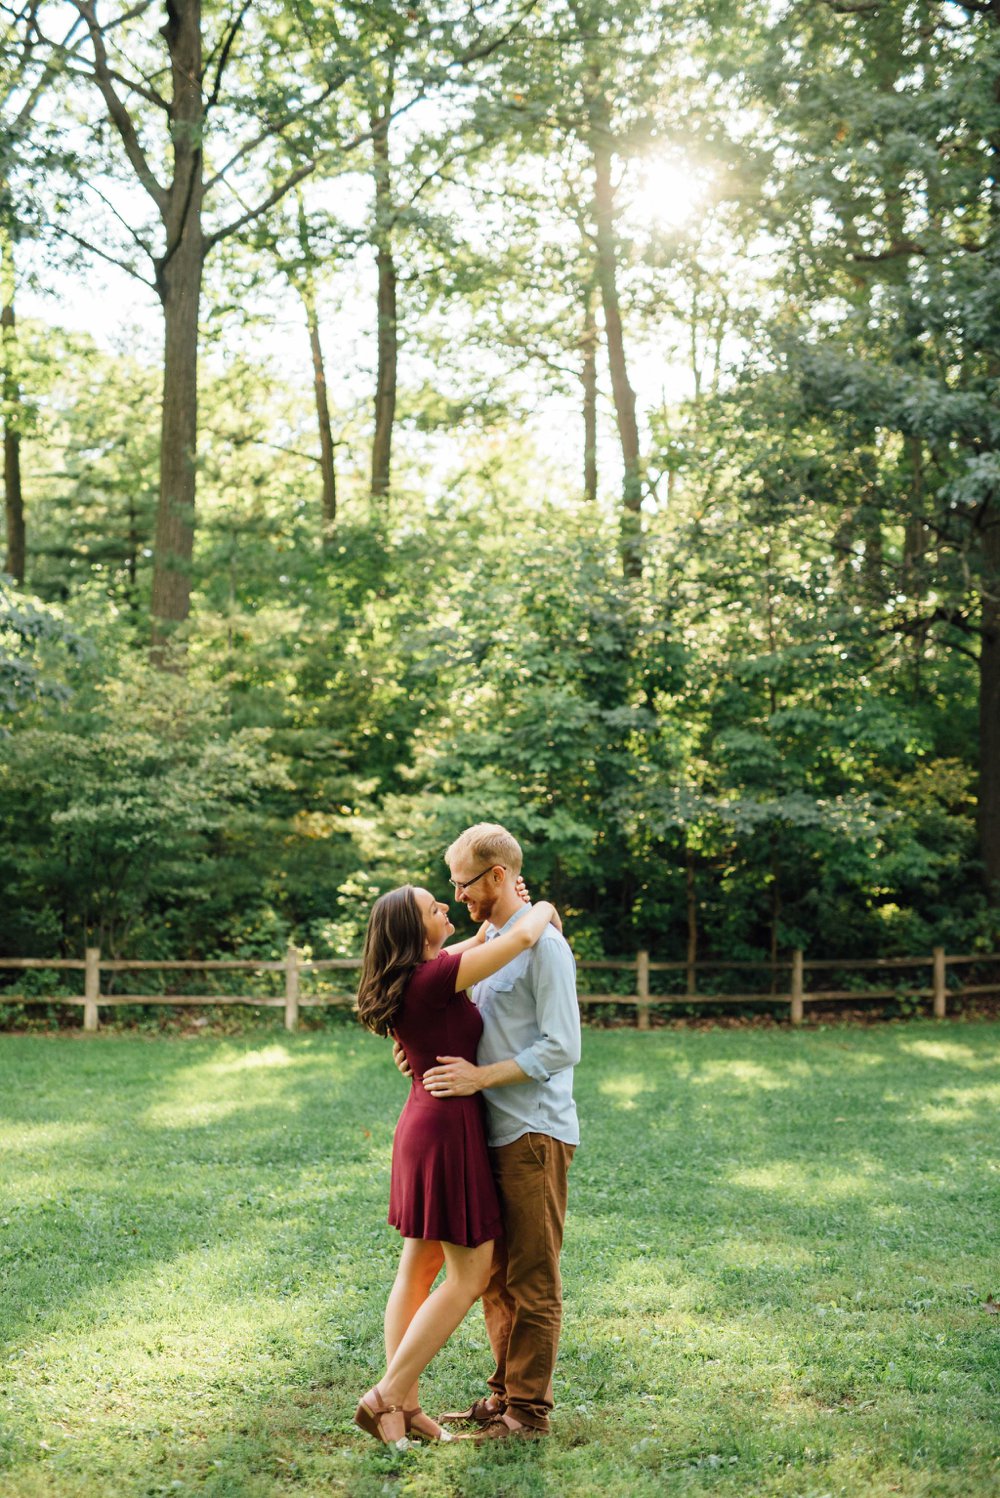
668,193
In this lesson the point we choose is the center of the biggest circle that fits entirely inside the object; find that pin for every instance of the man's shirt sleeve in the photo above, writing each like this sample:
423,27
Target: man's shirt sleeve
553,975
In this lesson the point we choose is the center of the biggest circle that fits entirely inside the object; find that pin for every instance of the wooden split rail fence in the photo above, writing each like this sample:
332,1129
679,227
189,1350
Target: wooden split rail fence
293,966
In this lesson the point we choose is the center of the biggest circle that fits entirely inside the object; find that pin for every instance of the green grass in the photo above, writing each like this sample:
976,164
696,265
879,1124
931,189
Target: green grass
779,1249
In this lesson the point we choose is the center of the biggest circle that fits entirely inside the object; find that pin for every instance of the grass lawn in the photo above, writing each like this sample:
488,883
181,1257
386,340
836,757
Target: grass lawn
779,1251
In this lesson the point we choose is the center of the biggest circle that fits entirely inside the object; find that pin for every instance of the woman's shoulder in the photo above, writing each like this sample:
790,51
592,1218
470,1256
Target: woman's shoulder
435,978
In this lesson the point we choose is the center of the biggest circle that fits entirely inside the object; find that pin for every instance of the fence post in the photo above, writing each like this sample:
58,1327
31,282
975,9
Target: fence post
797,986
91,987
292,987
642,989
940,991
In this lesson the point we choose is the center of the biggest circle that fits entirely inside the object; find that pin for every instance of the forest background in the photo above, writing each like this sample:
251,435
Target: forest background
572,414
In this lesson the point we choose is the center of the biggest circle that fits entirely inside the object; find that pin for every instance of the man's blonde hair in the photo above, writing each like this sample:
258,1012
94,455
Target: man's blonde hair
487,843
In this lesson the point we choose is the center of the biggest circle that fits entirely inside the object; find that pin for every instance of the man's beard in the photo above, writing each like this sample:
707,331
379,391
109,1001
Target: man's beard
482,909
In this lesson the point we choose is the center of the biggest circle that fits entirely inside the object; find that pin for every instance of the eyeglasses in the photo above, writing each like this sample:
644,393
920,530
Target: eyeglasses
458,888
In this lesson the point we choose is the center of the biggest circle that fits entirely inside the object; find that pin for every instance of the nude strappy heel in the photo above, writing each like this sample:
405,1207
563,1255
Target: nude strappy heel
371,1412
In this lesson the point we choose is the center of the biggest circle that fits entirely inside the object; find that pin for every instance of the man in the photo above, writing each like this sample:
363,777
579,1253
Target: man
525,1060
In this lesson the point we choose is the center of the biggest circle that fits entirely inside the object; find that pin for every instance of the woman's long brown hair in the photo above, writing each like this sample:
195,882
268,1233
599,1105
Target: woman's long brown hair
394,945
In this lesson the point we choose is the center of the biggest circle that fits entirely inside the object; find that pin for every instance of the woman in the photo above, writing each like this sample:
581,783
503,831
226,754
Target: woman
442,1198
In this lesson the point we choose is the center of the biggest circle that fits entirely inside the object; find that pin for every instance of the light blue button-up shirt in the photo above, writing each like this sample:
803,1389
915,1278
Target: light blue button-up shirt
531,1015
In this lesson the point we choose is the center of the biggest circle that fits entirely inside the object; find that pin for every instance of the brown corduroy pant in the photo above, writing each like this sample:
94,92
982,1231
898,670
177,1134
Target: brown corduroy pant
523,1304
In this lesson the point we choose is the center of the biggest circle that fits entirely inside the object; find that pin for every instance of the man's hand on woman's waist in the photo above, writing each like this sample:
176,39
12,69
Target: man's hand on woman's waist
455,1077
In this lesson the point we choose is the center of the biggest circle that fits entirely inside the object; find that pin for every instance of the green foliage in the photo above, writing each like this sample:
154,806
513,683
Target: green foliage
120,811
771,738
34,642
91,472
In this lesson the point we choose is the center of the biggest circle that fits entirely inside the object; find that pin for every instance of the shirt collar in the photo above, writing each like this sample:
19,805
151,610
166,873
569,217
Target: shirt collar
499,930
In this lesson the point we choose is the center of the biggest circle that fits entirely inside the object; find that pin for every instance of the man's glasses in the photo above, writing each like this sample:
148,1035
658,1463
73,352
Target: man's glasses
458,888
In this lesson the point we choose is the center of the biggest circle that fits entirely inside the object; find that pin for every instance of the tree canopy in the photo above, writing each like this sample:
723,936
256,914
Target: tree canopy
576,415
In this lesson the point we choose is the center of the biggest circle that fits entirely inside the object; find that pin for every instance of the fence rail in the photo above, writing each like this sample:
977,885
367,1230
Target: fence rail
293,965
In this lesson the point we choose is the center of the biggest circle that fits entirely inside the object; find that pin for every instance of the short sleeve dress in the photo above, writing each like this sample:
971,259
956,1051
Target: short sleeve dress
442,1185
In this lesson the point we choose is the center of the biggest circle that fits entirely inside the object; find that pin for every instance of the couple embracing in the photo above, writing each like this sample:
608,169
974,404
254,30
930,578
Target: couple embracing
481,1190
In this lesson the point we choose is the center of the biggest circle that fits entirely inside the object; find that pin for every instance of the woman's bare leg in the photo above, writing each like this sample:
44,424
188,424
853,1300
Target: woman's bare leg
419,1264
467,1273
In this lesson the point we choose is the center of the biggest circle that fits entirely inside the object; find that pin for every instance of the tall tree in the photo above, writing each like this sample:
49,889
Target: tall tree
387,342
304,280
601,145
526,299
905,259
401,178
24,79
591,103
588,379
13,495
238,82
189,130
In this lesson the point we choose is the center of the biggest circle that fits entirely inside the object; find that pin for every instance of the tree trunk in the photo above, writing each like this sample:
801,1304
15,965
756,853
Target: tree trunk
329,477
624,395
989,705
385,378
693,334
306,288
692,919
132,544
914,548
589,378
775,910
989,652
869,530
915,533
178,282
174,540
14,499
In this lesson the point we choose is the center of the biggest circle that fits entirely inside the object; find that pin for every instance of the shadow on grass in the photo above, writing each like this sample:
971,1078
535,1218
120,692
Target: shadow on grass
105,1184
731,1192
733,1182
805,1152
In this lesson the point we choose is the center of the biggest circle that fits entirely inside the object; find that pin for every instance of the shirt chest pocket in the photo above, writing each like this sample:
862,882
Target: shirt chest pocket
501,983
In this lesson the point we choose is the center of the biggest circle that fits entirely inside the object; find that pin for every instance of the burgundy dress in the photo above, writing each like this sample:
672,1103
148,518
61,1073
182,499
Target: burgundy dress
442,1186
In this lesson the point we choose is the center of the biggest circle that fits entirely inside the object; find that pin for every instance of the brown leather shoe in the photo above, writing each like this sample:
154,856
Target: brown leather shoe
480,1411
499,1430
